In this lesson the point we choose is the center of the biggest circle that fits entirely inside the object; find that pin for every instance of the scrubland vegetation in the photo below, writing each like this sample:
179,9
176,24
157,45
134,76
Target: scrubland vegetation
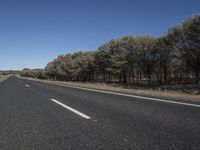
172,59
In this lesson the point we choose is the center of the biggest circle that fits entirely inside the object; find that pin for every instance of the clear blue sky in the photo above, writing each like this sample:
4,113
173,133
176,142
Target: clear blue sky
33,32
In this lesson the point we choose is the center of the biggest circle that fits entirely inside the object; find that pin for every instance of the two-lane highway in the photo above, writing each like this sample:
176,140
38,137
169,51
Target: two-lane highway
39,116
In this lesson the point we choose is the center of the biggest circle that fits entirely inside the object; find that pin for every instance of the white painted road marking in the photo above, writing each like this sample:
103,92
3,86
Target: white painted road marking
128,95
134,96
71,109
27,85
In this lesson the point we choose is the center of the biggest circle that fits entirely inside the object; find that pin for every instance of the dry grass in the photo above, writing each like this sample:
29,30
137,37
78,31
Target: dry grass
2,77
121,89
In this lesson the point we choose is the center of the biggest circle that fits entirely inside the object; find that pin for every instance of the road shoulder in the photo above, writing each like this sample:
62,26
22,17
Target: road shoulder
169,95
3,78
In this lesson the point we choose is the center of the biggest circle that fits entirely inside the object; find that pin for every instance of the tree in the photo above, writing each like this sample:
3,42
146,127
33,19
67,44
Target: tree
148,55
101,61
187,42
171,58
132,46
165,51
81,65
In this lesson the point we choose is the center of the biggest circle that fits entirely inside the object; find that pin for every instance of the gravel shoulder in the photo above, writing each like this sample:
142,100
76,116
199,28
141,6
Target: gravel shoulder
3,78
140,92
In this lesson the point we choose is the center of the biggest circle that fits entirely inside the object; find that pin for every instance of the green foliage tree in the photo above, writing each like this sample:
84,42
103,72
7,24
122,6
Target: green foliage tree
147,55
186,38
172,58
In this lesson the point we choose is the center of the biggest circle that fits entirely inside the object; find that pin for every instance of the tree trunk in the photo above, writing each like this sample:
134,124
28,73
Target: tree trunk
120,78
197,71
125,79
149,76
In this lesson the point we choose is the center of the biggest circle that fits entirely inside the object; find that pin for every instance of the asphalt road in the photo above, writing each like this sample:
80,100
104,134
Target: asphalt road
39,116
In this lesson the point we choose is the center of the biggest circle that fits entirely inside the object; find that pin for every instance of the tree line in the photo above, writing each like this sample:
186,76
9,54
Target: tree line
173,58
8,72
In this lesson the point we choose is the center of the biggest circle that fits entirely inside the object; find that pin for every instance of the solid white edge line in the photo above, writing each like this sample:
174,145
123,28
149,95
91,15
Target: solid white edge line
27,85
127,95
135,96
71,109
